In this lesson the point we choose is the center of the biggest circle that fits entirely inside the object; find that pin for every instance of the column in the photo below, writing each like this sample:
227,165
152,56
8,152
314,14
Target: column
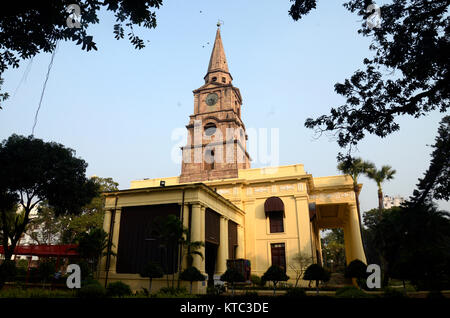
198,234
222,252
106,226
305,234
355,234
185,225
115,240
240,250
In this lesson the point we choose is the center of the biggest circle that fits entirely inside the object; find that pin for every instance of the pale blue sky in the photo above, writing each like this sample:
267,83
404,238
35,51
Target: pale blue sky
117,107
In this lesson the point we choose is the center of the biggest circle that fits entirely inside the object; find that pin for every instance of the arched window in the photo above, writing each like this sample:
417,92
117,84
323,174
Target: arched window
274,209
210,129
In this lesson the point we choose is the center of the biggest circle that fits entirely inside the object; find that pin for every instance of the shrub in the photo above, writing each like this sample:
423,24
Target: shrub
393,293
46,270
358,270
232,276
118,289
256,280
8,271
169,292
435,294
295,292
275,274
192,274
92,290
317,273
215,290
152,270
351,292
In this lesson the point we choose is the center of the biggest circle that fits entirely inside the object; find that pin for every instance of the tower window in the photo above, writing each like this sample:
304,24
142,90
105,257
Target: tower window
224,80
210,129
214,79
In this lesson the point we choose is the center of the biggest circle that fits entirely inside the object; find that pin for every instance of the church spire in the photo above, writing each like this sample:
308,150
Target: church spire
218,66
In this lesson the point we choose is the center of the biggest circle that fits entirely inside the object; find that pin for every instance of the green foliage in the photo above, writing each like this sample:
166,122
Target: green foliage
351,292
91,246
8,271
46,269
192,274
171,292
275,274
317,273
93,289
436,182
435,294
394,293
31,21
118,289
232,276
256,280
410,42
152,270
295,292
333,248
36,171
356,269
35,293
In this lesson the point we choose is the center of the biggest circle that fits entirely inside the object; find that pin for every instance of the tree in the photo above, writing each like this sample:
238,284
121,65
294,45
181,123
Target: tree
91,246
192,274
45,228
232,276
92,214
152,270
300,262
43,23
436,182
34,171
275,274
357,270
333,247
379,176
317,273
408,73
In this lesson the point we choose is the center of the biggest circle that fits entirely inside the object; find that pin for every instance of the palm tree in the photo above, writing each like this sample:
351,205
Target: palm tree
379,176
355,167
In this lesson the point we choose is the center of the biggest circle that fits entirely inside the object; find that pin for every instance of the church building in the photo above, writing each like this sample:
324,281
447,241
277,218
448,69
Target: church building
264,215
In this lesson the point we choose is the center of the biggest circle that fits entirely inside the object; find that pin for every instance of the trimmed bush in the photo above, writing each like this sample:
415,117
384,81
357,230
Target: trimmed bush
275,274
256,280
118,289
351,292
93,289
192,274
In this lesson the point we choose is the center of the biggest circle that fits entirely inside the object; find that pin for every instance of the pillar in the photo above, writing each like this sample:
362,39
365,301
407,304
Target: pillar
222,252
106,226
240,250
198,234
304,227
185,225
355,235
115,240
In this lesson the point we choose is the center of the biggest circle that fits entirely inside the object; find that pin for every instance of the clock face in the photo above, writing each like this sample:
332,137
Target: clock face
212,99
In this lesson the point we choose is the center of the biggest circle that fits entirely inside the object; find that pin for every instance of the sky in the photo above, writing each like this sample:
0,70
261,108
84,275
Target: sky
118,107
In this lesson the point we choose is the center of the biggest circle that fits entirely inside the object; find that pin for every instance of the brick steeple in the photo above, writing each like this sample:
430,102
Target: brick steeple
216,145
218,66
